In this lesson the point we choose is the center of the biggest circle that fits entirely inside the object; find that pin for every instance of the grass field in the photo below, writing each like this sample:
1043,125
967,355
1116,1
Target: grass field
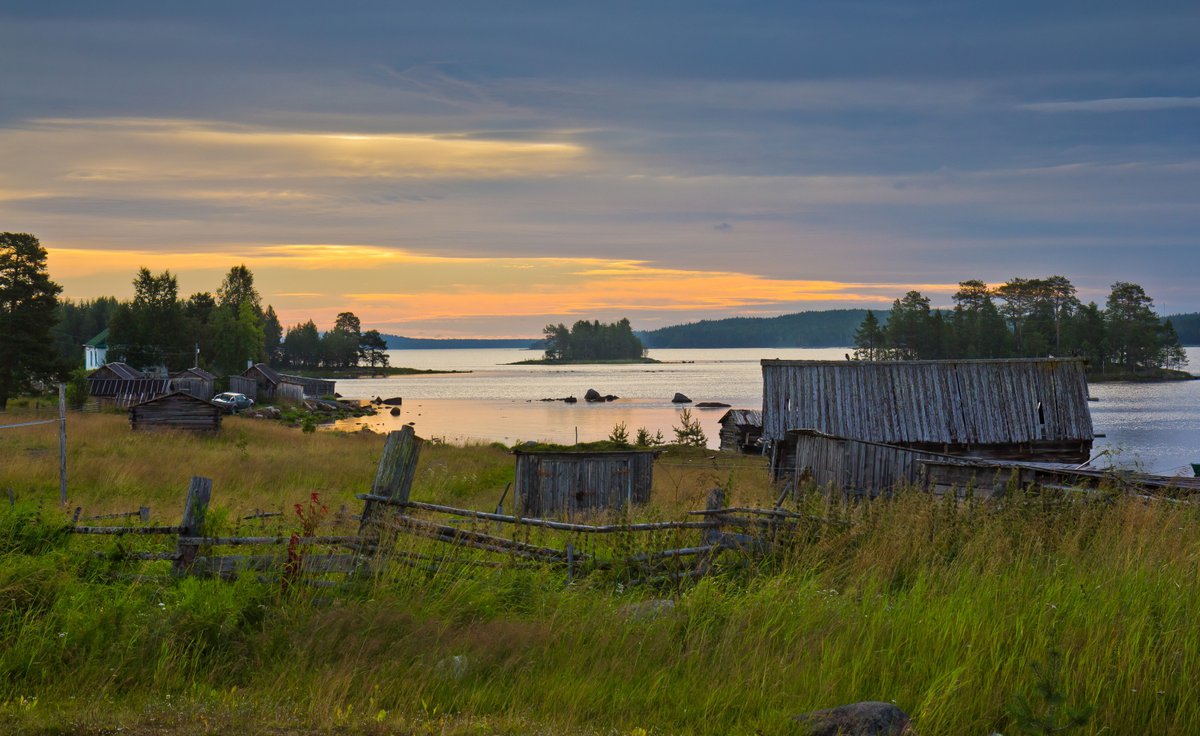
955,612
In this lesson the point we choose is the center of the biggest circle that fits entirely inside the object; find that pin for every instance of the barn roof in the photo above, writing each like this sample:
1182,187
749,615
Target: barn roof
196,372
177,395
122,371
743,417
929,401
267,372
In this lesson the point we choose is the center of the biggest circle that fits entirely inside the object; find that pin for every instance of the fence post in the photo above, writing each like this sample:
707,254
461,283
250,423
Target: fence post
144,514
394,476
194,510
62,444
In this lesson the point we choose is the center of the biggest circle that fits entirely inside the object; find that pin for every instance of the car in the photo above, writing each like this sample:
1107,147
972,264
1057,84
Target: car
232,402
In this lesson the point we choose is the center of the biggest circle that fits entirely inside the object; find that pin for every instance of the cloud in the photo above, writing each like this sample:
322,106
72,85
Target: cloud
1116,104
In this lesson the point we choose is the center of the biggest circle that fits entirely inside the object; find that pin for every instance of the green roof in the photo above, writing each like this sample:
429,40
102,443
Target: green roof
100,340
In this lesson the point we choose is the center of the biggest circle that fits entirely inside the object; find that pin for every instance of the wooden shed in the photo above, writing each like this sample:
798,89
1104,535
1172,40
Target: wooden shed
122,385
313,388
1019,409
855,468
194,382
741,431
565,482
176,410
269,385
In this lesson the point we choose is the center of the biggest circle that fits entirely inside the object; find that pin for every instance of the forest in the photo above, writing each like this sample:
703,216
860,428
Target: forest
589,341
219,332
1028,318
823,329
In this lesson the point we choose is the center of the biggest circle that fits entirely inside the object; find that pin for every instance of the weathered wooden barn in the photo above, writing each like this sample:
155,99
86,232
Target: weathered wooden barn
1021,409
853,468
122,385
741,431
263,383
195,382
565,482
176,410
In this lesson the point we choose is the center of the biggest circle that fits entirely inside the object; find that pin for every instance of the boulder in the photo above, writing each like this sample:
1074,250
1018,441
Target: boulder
868,718
712,405
592,395
394,401
680,399
395,411
376,401
570,400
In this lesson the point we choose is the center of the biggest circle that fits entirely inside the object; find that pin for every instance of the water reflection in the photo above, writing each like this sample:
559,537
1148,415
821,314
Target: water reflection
1154,427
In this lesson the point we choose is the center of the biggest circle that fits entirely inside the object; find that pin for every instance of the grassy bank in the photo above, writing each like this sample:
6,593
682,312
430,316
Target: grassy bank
944,609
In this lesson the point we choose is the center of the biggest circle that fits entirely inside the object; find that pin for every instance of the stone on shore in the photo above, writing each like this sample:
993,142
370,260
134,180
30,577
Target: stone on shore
680,399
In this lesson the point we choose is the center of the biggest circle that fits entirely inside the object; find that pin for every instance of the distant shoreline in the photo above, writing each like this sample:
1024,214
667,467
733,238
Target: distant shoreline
625,361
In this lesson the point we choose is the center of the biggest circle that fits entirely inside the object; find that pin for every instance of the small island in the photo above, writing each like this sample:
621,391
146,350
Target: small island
592,343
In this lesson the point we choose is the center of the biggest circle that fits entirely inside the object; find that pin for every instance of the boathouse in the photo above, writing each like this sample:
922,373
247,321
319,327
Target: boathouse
563,482
741,431
177,410
1020,409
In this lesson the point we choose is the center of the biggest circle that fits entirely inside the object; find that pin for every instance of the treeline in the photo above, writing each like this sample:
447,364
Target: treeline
1027,318
831,328
592,341
1187,326
220,332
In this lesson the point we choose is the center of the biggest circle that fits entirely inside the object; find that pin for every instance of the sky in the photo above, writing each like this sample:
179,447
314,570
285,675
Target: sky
484,168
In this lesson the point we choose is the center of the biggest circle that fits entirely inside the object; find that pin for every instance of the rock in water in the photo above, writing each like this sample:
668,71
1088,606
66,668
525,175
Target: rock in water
592,395
712,405
680,399
857,719
395,411
394,401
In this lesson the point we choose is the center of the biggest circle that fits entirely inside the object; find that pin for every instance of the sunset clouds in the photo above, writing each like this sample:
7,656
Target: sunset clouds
482,170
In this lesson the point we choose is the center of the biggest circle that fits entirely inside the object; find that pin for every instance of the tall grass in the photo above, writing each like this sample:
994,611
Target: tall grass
942,607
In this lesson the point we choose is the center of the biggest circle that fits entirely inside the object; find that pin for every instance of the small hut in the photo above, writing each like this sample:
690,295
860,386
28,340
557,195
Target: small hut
741,431
1020,409
176,410
566,482
123,385
195,382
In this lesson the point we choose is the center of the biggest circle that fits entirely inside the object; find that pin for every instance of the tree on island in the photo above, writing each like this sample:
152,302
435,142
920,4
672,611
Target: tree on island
1036,317
28,312
592,341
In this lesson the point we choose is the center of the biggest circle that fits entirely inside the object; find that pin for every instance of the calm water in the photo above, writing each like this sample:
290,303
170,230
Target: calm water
1152,426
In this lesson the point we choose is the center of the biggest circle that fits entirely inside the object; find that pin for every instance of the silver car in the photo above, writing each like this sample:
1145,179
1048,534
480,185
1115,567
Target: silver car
232,402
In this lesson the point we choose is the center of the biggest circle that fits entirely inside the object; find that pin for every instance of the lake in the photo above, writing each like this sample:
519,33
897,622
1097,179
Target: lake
1155,427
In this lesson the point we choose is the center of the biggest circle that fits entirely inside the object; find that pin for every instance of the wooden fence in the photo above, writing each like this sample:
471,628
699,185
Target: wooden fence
672,549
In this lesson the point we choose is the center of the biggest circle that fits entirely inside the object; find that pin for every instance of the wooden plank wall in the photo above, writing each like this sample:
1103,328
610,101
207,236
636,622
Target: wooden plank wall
935,402
176,411
565,483
313,387
244,385
850,467
194,386
289,393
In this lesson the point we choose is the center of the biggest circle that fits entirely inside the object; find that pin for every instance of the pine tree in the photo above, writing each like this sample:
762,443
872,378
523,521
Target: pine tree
28,312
